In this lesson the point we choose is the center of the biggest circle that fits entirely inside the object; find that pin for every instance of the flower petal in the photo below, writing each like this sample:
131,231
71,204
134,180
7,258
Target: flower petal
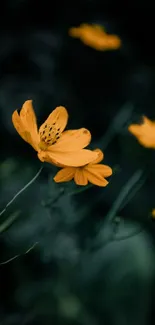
135,129
147,121
80,177
28,116
113,42
19,125
58,118
28,119
145,133
104,170
65,175
44,157
99,158
74,32
96,178
72,140
71,159
22,131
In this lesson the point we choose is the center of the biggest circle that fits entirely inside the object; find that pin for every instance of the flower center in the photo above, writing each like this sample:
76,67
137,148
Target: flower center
49,135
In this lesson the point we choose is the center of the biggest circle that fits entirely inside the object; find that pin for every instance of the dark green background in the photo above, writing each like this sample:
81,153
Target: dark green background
82,269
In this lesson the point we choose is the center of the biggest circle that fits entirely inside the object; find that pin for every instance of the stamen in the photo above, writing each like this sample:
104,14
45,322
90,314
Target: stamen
49,135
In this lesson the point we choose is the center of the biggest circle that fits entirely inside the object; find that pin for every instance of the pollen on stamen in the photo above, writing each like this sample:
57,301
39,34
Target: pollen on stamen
49,135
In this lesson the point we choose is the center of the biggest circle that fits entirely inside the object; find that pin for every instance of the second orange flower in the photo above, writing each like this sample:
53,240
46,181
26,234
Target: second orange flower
93,172
145,132
96,37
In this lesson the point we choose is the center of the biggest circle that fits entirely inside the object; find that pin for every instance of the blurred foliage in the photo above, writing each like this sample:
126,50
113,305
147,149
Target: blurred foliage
71,265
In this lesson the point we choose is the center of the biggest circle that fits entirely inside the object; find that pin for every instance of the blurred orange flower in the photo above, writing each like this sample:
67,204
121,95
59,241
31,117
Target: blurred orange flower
145,132
153,213
93,172
95,37
53,144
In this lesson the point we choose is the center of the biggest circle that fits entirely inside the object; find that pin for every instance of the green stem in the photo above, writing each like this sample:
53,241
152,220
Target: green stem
123,194
21,191
6,224
16,256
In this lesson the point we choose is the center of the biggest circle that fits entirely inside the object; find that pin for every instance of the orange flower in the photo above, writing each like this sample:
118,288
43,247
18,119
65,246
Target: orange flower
95,37
52,144
153,213
93,172
145,132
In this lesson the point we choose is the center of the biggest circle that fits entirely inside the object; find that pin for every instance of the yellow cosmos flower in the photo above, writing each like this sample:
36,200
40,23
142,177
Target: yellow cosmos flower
53,144
145,132
93,172
95,37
